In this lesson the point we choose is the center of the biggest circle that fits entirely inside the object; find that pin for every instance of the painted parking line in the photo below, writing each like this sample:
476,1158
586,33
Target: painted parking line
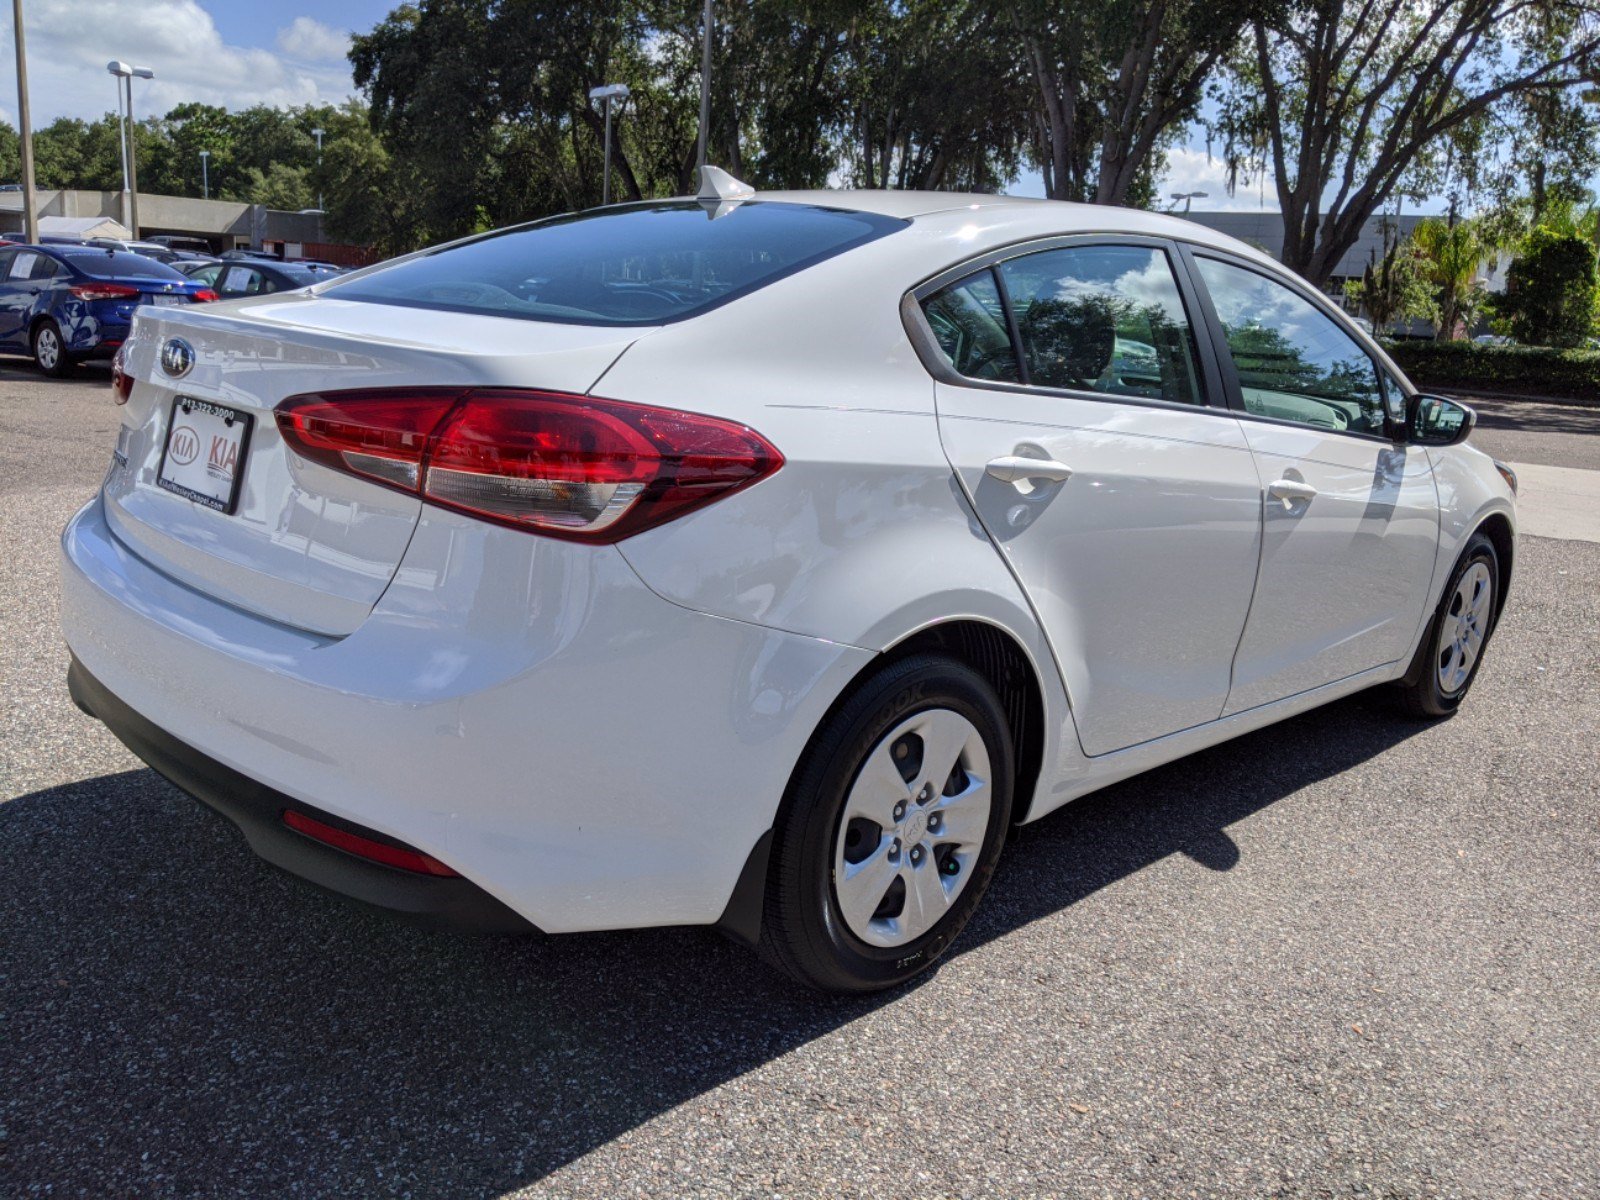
1558,502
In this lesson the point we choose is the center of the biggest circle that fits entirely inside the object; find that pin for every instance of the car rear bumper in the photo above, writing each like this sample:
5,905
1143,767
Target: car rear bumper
524,710
258,812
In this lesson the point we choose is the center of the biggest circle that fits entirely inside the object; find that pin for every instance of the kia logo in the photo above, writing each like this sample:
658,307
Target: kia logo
184,446
177,356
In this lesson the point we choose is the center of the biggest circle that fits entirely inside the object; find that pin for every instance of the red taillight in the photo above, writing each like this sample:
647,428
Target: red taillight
204,296
121,381
364,847
567,466
103,291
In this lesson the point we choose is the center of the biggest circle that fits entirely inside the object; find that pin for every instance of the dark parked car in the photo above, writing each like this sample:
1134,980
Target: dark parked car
256,276
65,303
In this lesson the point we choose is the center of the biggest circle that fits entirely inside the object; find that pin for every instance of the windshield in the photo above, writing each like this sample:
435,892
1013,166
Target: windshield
298,274
114,264
642,264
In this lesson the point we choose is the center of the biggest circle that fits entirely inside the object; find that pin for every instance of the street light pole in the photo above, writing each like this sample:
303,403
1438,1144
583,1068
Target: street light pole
133,148
30,210
121,70
205,174
606,94
317,133
705,84
1186,197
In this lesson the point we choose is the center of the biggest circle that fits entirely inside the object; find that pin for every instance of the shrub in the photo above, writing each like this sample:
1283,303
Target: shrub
1552,290
1530,370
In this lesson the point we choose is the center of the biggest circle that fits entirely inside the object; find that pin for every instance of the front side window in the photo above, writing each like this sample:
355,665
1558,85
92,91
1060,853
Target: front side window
969,323
1103,319
1294,362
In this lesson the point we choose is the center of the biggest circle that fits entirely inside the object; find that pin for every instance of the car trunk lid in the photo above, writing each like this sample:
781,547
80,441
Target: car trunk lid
307,546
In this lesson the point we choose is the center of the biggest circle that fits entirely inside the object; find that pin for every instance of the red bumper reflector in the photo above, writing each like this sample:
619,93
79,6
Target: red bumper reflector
363,847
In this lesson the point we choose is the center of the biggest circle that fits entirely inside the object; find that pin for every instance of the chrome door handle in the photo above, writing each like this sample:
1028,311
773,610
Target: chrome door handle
1016,469
1291,491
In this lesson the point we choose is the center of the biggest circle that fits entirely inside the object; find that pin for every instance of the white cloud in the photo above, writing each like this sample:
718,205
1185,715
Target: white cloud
309,39
70,42
1191,169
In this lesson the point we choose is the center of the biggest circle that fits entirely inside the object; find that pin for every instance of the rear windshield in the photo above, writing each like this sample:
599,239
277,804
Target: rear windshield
302,275
642,264
114,264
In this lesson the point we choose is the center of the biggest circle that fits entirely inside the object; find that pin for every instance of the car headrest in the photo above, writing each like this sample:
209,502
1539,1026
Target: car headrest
1072,341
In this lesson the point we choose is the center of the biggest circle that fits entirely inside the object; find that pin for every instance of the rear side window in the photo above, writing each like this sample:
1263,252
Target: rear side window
115,264
638,265
1103,319
969,323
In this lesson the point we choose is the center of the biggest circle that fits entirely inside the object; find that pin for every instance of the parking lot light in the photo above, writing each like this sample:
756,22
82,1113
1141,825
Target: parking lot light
606,94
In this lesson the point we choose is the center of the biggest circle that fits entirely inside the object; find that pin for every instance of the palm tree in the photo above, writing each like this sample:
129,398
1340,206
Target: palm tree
1453,252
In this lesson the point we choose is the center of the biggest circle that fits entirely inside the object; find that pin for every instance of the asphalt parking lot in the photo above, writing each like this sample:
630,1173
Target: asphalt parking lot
1345,956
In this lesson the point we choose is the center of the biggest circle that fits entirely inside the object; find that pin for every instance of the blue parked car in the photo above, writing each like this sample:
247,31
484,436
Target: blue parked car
64,303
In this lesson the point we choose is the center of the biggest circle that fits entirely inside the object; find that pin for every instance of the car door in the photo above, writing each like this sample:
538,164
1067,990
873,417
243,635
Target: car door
1350,514
1087,426
16,298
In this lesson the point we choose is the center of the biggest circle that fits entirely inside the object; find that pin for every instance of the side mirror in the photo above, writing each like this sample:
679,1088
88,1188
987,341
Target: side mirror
1435,421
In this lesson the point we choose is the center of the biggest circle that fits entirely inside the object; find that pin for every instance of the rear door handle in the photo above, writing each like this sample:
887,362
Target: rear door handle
1017,469
1291,491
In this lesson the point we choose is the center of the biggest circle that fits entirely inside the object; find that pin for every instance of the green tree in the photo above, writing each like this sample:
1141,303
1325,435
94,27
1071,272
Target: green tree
1117,79
10,154
279,186
1552,293
935,96
1345,99
70,153
1395,287
1453,252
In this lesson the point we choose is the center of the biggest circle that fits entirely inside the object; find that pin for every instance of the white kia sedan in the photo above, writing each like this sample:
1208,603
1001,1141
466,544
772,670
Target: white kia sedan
758,560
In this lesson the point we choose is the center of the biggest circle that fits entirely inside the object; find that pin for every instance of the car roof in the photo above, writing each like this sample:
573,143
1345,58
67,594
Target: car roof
1020,216
889,203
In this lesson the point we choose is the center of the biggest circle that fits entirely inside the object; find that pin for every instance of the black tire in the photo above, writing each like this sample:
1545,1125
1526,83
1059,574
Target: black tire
54,364
804,932
1421,694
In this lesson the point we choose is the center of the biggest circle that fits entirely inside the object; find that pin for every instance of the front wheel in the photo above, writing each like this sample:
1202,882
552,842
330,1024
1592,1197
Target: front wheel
891,832
1452,648
49,351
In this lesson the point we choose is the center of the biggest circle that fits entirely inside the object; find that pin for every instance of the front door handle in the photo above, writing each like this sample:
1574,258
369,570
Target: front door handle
1014,468
1291,492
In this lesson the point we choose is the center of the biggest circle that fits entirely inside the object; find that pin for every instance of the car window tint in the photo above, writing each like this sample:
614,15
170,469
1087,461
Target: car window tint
638,264
969,323
22,265
1294,362
45,268
100,263
1104,319
6,257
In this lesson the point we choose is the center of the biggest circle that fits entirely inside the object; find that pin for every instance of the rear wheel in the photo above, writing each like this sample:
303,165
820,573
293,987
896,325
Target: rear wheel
1452,649
891,833
49,350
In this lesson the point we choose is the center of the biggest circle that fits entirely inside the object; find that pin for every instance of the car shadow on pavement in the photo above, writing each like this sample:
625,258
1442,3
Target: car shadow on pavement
182,1019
